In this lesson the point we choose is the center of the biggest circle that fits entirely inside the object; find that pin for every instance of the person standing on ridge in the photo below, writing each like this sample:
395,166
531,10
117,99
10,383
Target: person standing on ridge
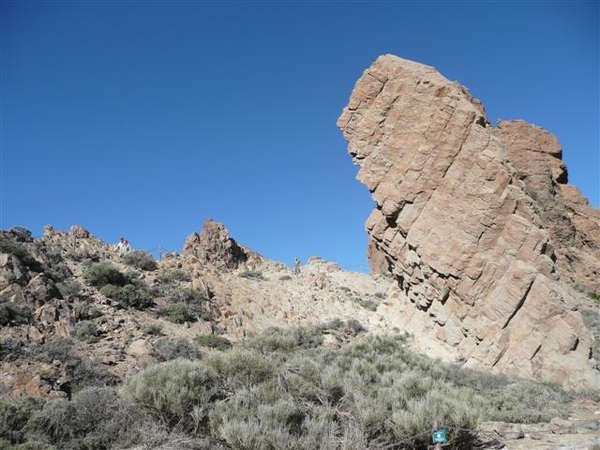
296,266
120,248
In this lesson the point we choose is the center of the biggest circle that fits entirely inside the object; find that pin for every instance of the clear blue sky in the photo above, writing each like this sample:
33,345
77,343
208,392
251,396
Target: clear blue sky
142,119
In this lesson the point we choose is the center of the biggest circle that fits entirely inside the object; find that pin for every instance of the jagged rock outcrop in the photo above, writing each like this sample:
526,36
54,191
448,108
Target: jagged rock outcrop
476,223
214,245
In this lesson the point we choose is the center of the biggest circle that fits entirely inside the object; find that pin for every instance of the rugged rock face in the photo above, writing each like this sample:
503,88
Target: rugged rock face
59,330
476,223
214,245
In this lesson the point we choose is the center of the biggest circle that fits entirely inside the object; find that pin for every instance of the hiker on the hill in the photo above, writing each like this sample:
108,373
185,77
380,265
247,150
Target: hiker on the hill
296,266
126,248
121,246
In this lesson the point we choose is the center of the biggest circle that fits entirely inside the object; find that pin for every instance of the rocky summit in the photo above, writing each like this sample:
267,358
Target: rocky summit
493,252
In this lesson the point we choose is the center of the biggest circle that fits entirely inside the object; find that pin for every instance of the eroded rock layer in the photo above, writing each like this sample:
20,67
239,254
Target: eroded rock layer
476,223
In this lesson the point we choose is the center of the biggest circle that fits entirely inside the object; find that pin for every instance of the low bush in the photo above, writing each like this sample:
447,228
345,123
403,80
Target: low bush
140,259
278,339
94,419
58,272
252,275
187,305
213,341
151,329
105,273
183,312
69,289
129,295
166,349
55,348
87,331
10,348
20,251
12,313
16,419
178,393
83,373
368,304
173,275
85,311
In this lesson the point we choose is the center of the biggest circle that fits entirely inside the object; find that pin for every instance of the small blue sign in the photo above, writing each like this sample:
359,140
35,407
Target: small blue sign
440,436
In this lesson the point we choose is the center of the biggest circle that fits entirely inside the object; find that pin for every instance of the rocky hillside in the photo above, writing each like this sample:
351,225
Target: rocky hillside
493,253
73,310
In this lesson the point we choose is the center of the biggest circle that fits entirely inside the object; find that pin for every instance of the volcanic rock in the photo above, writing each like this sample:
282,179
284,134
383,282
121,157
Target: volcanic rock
214,245
477,225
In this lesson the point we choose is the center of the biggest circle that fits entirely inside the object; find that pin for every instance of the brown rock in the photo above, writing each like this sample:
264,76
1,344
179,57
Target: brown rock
214,245
473,223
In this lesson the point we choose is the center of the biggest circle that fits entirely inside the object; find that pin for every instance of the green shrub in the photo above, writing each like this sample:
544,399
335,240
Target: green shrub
179,393
187,306
166,349
12,313
103,273
69,288
182,312
172,275
213,341
252,275
58,272
594,296
243,368
151,329
55,348
285,278
16,417
128,295
20,251
82,373
85,311
10,348
87,331
140,259
277,339
368,304
189,296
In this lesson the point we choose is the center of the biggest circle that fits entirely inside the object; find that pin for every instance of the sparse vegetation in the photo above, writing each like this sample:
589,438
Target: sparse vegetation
252,274
12,313
140,259
213,341
166,349
281,389
105,273
187,305
10,243
152,329
177,393
368,304
87,331
173,275
278,389
129,295
594,296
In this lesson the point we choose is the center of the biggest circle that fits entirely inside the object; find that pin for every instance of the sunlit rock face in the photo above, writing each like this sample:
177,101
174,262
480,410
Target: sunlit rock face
486,240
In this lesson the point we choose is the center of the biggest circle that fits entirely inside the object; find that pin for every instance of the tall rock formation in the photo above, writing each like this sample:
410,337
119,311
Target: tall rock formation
477,224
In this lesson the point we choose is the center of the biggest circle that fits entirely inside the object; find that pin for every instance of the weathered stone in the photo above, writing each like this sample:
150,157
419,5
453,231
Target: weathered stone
474,224
214,245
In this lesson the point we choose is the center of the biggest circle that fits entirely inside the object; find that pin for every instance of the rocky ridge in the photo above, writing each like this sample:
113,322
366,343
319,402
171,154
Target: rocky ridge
241,292
492,250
